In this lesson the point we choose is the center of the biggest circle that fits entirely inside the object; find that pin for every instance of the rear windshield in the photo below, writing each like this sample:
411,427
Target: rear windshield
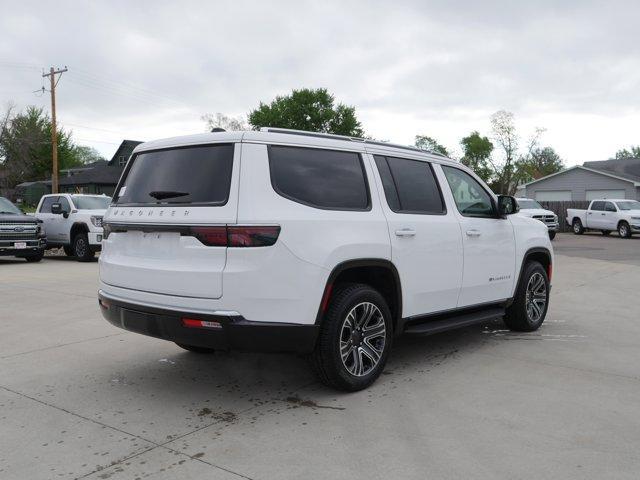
199,174
91,203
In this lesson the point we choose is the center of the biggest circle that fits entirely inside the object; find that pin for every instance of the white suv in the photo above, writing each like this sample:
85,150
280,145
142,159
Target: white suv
73,222
279,240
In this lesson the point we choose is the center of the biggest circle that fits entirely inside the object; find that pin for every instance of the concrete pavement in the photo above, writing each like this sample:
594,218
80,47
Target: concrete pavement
82,399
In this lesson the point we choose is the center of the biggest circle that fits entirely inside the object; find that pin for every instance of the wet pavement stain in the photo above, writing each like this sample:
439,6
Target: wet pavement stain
298,402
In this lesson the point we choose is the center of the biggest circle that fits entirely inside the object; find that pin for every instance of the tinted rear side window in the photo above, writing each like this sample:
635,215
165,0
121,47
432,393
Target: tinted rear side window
326,179
410,186
597,206
199,174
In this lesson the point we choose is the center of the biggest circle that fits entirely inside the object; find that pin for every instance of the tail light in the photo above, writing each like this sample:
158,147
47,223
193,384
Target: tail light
237,236
214,236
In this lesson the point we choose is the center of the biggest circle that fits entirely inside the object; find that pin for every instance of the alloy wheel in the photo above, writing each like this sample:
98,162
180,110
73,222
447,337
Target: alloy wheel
536,299
362,339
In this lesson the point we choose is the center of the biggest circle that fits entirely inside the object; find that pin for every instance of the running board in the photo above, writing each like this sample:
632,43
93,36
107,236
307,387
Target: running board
439,324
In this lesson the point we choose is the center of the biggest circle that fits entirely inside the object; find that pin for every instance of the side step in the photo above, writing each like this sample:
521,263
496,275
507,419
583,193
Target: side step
438,324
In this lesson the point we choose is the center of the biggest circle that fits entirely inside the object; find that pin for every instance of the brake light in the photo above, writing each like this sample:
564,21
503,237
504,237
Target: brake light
257,236
237,236
211,236
106,230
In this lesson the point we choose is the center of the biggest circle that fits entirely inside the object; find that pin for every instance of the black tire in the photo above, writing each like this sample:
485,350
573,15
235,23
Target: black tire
577,227
350,305
194,349
68,251
35,257
522,316
624,230
606,232
552,234
81,248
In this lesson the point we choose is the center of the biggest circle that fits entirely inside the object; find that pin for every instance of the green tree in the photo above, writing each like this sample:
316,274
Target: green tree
538,163
477,155
430,144
631,152
310,110
85,154
25,147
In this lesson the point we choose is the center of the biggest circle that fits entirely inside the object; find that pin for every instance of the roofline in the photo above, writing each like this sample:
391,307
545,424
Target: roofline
593,170
366,141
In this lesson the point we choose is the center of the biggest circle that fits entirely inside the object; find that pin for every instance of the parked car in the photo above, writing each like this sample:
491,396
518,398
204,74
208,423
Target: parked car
74,222
281,240
21,235
532,209
607,215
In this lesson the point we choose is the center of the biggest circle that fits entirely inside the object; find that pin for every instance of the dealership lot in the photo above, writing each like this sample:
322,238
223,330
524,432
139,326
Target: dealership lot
82,399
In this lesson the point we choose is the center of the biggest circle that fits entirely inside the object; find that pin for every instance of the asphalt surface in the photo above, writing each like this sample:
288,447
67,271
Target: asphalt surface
82,399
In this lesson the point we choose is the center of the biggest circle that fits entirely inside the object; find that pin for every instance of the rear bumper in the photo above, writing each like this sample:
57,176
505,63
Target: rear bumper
234,331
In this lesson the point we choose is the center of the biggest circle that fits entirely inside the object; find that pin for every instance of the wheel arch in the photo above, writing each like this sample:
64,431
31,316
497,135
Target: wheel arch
538,254
77,227
381,274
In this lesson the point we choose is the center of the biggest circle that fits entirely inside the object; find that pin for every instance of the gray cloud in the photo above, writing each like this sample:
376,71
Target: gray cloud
151,69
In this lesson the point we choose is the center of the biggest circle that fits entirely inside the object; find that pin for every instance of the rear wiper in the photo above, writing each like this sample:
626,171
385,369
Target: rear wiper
162,194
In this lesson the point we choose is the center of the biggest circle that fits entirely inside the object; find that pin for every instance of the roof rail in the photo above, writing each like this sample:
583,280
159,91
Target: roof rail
305,133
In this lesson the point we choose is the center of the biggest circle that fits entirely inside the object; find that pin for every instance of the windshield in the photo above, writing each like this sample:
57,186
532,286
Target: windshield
629,205
528,204
199,174
91,203
6,207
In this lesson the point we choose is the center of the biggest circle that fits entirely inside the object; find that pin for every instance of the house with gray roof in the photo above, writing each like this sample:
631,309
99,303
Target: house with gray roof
619,178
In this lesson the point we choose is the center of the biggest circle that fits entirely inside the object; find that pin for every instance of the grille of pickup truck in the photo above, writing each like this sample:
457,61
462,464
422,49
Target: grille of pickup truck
548,219
18,231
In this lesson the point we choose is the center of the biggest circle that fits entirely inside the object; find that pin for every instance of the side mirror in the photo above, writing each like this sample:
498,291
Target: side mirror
56,208
507,205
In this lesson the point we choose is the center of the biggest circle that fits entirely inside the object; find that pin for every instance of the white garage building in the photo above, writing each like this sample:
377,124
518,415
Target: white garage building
605,179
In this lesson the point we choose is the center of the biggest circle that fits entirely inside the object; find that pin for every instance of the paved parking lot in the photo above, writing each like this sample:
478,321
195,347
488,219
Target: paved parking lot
82,399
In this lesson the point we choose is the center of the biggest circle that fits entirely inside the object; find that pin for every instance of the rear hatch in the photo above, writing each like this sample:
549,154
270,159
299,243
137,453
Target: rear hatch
160,232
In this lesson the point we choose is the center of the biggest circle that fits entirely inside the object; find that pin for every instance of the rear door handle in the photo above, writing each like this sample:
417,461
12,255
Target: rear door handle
473,233
405,232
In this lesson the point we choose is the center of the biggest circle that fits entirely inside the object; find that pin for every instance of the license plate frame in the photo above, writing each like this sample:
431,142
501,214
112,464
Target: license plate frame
20,245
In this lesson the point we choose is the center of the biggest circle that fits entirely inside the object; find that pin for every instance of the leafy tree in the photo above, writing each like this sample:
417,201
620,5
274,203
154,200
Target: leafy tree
309,110
538,163
220,120
631,152
25,147
85,154
430,144
477,155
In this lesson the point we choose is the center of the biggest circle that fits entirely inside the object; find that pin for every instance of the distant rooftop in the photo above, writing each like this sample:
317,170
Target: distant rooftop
628,168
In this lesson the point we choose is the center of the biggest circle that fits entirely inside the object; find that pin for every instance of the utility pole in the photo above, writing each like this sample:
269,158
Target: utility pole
54,133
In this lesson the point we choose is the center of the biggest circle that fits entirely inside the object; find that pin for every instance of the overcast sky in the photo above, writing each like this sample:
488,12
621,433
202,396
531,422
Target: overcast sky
145,70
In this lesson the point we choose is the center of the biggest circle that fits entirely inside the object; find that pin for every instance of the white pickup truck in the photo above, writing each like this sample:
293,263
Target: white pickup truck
74,222
532,209
607,215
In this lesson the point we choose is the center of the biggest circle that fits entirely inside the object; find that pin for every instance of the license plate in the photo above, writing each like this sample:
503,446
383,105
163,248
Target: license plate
20,245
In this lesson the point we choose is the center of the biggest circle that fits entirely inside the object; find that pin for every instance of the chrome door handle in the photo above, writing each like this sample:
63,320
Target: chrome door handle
588,213
473,233
405,232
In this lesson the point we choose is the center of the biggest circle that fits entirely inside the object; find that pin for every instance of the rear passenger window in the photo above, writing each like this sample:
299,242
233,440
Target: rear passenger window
599,206
410,186
326,179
